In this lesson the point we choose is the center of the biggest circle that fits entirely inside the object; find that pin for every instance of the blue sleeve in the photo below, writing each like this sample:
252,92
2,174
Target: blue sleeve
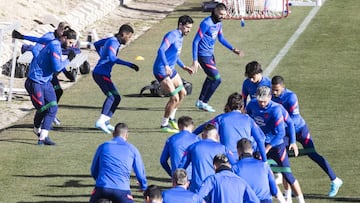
279,128
139,170
290,127
223,41
40,40
165,44
99,44
206,187
272,183
199,129
259,137
203,28
180,63
75,49
244,93
56,61
186,159
95,164
165,155
249,195
112,54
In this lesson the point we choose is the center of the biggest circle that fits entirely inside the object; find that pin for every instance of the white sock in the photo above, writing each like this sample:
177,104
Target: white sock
165,122
172,114
301,199
43,134
103,118
288,193
336,180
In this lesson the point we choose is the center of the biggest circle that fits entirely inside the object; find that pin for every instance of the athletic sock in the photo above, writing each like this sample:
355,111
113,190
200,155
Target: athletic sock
172,114
43,134
165,122
301,199
103,118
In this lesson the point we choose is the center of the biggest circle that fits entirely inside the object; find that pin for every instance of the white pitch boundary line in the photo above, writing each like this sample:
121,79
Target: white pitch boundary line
291,41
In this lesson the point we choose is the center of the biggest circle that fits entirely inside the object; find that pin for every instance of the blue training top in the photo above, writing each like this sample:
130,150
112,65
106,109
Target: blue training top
249,88
113,163
205,38
179,194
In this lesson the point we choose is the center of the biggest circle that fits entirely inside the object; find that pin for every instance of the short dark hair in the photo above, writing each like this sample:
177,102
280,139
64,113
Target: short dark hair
220,159
185,19
243,145
126,28
209,127
234,102
180,176
220,6
185,121
153,192
69,34
277,79
252,69
120,128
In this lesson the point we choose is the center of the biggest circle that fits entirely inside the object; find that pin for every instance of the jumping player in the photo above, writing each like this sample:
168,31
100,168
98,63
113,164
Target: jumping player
268,115
203,54
254,79
38,83
108,49
165,72
290,102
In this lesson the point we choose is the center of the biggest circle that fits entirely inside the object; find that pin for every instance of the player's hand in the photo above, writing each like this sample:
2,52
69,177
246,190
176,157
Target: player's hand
295,148
71,55
195,66
17,35
238,52
168,70
135,67
188,69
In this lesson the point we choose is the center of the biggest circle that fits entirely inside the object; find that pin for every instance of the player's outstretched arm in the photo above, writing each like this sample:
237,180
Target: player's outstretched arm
188,69
238,52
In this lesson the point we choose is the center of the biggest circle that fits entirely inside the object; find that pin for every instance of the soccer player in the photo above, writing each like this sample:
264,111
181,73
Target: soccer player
225,186
164,71
152,194
38,83
290,102
176,145
234,125
201,154
108,49
112,165
210,29
254,79
263,183
179,192
269,117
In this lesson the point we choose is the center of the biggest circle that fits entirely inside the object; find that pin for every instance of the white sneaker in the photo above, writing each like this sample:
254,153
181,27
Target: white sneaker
103,127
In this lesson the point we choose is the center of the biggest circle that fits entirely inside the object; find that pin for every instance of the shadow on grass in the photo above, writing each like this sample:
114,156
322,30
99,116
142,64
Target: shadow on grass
334,199
55,176
20,141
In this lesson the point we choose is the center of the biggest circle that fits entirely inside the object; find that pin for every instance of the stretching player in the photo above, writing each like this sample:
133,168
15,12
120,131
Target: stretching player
290,101
108,49
38,85
268,115
255,79
203,54
165,72
234,125
177,144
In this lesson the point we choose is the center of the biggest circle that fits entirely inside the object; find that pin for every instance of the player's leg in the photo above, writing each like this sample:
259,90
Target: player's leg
123,196
112,97
211,82
181,91
59,92
306,141
169,88
279,154
50,108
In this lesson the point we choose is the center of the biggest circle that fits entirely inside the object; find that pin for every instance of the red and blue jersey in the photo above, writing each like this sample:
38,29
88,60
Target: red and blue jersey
113,163
169,52
174,148
270,119
201,155
108,49
232,127
290,102
225,186
263,183
249,88
205,38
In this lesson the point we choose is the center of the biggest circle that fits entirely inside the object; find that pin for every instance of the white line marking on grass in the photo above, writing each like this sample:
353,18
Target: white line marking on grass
291,41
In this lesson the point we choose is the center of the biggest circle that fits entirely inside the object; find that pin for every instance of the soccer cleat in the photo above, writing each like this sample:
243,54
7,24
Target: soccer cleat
173,124
47,141
198,104
103,127
167,129
334,187
56,121
37,131
110,127
207,107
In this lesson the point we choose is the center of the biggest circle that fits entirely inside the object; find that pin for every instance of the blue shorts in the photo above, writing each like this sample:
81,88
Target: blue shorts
115,195
161,74
208,64
40,94
105,84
